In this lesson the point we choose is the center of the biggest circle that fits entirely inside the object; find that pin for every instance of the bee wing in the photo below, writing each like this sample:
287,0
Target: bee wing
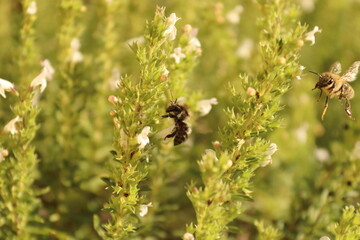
335,68
163,133
351,73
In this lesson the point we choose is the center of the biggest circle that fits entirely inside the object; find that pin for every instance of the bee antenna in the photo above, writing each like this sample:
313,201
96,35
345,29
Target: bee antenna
171,95
315,73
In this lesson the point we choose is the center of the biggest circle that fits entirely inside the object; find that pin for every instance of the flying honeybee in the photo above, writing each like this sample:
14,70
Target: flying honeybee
335,85
181,130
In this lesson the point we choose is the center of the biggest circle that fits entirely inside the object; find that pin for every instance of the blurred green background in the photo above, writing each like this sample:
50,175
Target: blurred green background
73,147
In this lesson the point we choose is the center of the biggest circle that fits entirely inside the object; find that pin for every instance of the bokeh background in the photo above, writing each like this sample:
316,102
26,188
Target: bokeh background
313,174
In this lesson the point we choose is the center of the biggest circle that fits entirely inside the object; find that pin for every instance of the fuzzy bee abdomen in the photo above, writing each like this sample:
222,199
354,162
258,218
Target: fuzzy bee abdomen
182,133
347,91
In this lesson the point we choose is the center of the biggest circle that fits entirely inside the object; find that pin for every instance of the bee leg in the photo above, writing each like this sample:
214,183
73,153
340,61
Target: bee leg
171,134
169,116
347,109
320,95
325,108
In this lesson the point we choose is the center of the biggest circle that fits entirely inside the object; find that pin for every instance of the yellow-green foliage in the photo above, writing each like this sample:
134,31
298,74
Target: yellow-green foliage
82,150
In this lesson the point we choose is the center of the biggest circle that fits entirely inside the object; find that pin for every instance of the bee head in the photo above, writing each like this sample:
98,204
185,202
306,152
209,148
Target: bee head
174,107
325,79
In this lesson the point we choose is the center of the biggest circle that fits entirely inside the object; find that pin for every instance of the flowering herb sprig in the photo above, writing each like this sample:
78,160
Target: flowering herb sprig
331,191
348,227
227,170
136,111
18,170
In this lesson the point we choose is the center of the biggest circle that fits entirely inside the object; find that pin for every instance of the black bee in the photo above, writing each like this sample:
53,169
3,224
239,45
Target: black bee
179,114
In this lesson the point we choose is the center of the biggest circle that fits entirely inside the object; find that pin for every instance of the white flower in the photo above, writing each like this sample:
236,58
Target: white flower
114,80
50,71
204,106
144,209
11,126
6,86
194,42
269,152
177,55
234,15
142,138
301,68
245,49
40,80
307,5
322,154
310,36
170,31
188,236
165,71
301,132
212,154
324,238
32,8
76,55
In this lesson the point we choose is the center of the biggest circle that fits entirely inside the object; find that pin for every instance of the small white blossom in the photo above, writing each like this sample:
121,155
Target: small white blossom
114,80
204,106
307,5
40,80
269,152
245,49
32,8
76,55
298,77
6,86
142,138
211,153
234,15
266,162
144,209
10,127
194,42
301,132
170,31
50,70
177,55
322,154
310,36
188,236
165,71
324,238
